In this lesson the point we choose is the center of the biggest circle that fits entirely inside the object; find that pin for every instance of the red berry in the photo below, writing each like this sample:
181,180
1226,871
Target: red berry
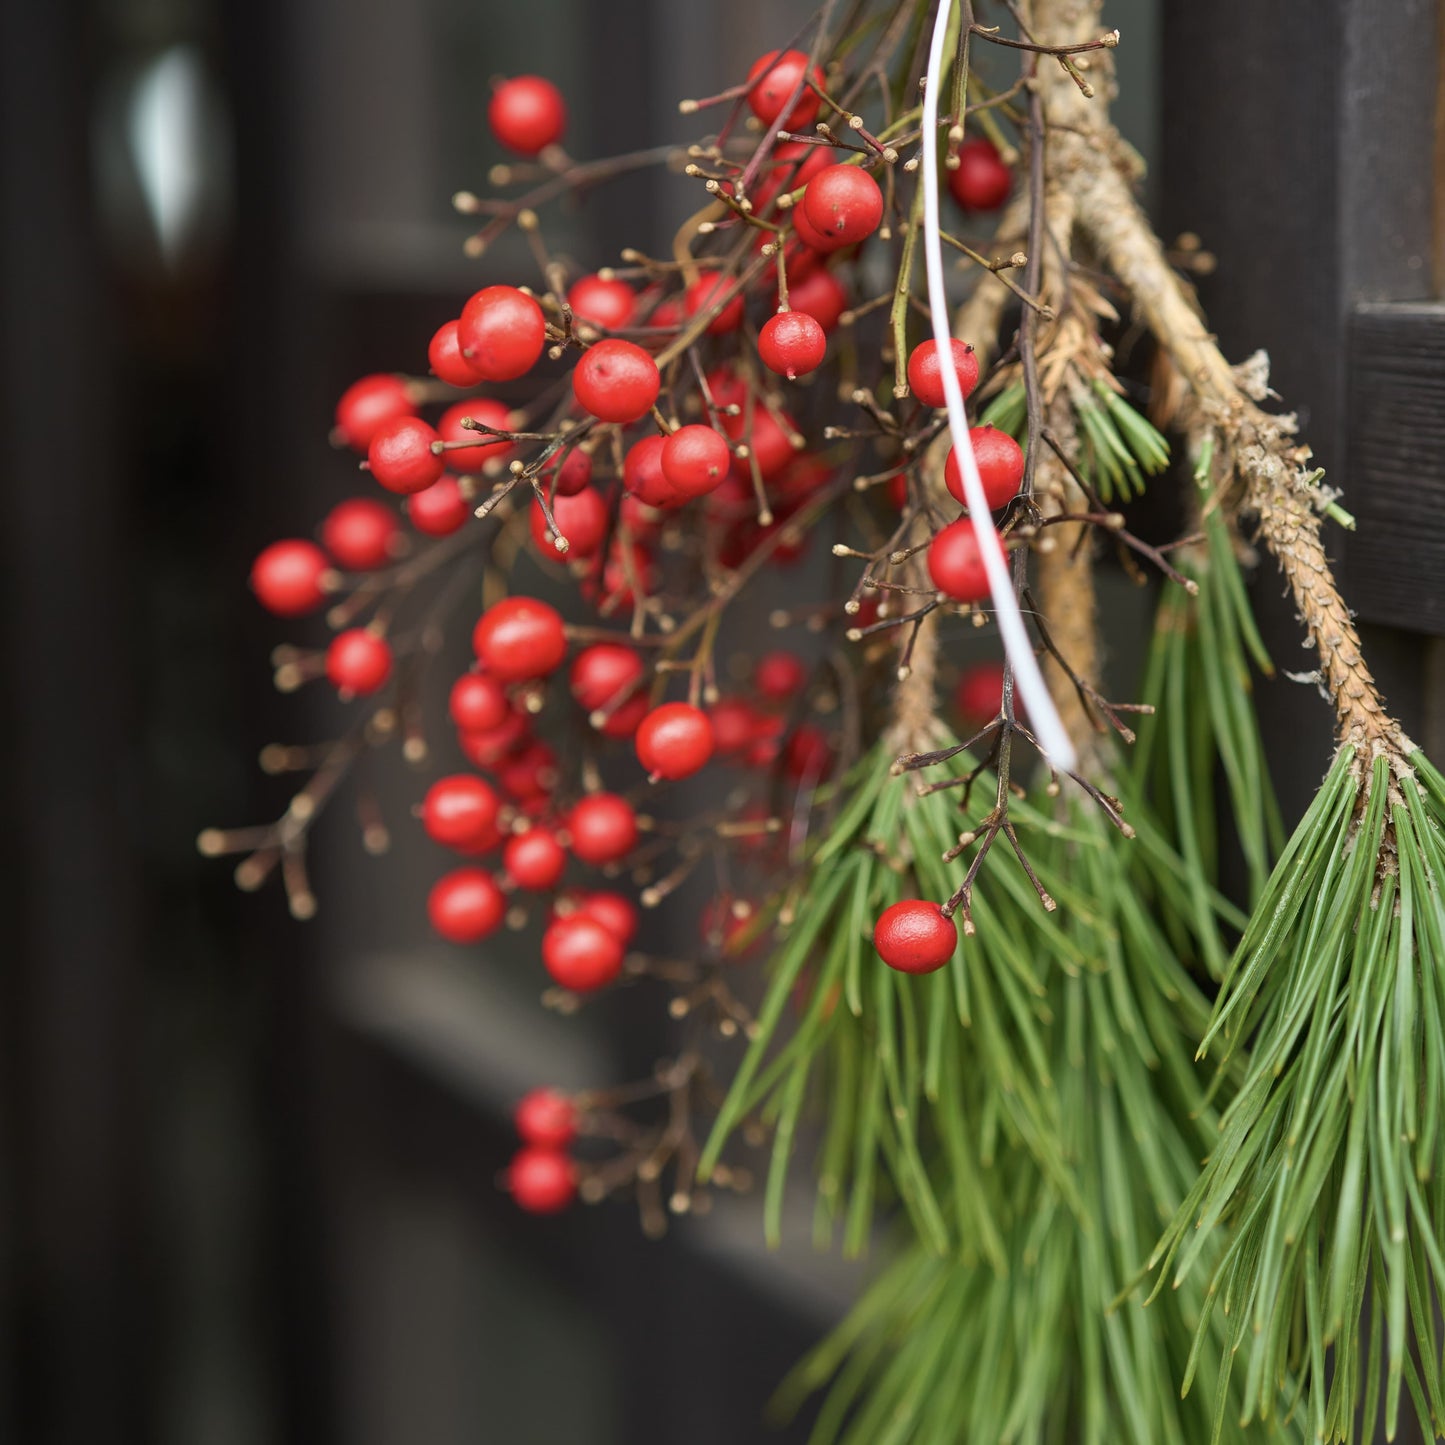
734,725
542,1181
792,344
809,234
705,293
779,675
603,828
440,510
459,811
979,697
806,754
531,774
360,534
616,381
956,565
519,638
674,740
367,405
502,332
695,459
616,913
820,295
580,953
527,114
444,355
602,672
1000,467
643,476
982,182
401,458
844,205
358,661
546,1119
288,578
925,380
477,703
465,905
772,445
534,860
772,80
914,937
606,303
793,165
581,519
487,748
481,448
573,475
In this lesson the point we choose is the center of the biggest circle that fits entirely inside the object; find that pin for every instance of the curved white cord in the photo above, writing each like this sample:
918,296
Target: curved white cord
1043,716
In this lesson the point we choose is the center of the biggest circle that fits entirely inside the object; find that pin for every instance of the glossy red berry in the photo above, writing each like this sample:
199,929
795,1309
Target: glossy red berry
616,913
708,291
979,696
361,534
773,78
477,703
643,476
580,953
616,381
519,638
527,114
459,811
542,1181
401,458
546,1118
573,475
792,344
982,181
674,740
466,905
534,860
358,662
779,675
1000,467
581,519
695,459
444,356
608,303
844,205
820,295
956,564
440,510
367,405
481,448
502,332
925,380
914,937
603,828
602,673
813,239
289,578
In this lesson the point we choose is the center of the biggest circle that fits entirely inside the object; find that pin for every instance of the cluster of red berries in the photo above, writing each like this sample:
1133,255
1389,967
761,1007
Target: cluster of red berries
542,1176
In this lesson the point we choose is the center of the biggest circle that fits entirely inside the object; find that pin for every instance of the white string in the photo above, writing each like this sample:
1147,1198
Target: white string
1043,716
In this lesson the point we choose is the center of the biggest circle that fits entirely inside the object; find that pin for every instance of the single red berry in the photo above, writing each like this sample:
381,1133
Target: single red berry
979,696
361,534
734,725
773,78
779,675
573,475
459,811
956,564
466,905
793,165
1000,467
502,332
608,303
444,356
914,937
601,673
820,295
616,381
519,638
358,662
925,378
580,953
844,205
488,747
801,478
792,343
705,293
481,448
477,703
401,458
289,577
674,740
603,828
812,238
771,441
440,510
546,1118
982,181
527,114
542,1181
367,405
534,860
530,774
581,520
643,476
695,459
615,912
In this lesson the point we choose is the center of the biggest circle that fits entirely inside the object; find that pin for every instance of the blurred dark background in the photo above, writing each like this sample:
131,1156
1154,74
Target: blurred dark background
247,1166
